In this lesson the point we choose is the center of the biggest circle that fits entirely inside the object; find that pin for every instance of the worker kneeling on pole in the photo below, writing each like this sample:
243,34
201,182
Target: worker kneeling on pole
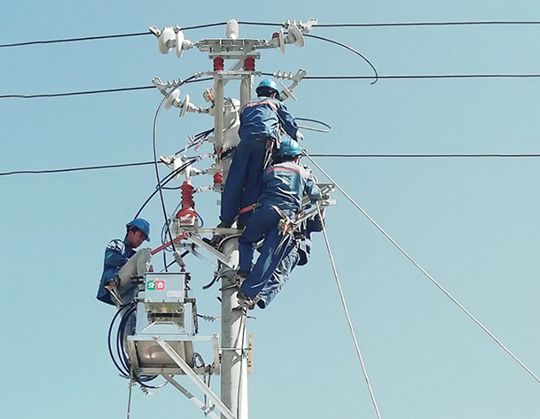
284,185
122,262
261,122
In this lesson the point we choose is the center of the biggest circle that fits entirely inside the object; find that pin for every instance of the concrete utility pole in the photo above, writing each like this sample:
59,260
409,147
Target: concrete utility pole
234,346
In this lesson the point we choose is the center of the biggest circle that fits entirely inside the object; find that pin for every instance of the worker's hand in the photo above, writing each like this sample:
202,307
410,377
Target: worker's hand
110,286
299,136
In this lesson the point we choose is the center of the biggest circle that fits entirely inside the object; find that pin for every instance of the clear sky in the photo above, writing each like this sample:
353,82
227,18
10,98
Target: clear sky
472,223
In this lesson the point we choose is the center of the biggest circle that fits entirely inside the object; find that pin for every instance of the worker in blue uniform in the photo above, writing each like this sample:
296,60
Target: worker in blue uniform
284,185
261,122
122,262
296,255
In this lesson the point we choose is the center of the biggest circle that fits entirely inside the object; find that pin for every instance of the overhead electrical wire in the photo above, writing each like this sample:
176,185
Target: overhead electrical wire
337,77
347,315
328,155
415,263
319,25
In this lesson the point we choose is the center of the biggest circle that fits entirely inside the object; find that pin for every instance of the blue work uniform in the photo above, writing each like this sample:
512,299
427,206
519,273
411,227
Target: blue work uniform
117,254
284,185
297,255
260,121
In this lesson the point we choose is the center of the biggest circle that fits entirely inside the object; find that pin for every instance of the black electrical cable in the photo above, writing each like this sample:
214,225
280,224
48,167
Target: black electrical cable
87,92
324,124
191,79
122,372
85,38
74,169
164,181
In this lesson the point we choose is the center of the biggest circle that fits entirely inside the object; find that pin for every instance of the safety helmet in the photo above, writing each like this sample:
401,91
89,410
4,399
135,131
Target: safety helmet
142,225
289,148
267,86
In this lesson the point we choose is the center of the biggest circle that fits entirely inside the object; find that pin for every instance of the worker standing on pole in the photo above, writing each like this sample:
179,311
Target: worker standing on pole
284,185
261,122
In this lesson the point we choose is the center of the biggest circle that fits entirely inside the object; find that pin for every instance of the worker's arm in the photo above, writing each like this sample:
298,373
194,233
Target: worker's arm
114,254
312,190
288,121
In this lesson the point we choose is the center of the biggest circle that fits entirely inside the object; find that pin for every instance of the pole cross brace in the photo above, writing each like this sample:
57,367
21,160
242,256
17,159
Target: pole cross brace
194,377
190,396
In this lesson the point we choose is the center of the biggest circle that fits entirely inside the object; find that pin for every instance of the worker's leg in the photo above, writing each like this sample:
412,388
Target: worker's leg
238,178
271,254
253,179
262,220
138,264
279,277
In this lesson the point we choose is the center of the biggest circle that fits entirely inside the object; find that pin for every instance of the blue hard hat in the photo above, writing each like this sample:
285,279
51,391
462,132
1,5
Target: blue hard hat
290,148
142,225
268,85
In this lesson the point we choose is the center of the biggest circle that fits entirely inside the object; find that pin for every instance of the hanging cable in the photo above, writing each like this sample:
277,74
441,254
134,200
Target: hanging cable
349,321
87,92
491,335
322,38
398,24
154,145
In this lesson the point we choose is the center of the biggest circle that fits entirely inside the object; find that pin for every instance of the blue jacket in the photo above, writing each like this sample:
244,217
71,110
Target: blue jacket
117,254
262,118
284,184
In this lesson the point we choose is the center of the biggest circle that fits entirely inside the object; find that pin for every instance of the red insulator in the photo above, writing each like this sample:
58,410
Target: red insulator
187,215
275,35
218,179
218,64
249,64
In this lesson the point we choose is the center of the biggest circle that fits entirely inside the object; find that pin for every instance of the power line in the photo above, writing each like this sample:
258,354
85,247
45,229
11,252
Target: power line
85,38
431,278
75,169
100,37
277,24
93,92
415,156
394,77
122,165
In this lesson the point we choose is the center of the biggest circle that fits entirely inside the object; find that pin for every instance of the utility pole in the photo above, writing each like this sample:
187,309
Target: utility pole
161,347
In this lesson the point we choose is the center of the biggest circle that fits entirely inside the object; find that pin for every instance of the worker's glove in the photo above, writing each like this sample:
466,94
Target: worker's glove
299,136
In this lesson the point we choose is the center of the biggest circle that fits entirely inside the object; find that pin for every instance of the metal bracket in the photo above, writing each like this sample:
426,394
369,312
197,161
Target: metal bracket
190,396
196,380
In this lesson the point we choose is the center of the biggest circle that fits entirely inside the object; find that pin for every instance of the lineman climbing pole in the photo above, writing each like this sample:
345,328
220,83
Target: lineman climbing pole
163,345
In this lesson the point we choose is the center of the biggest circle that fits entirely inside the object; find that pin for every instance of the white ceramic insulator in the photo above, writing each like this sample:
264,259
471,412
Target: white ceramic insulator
232,29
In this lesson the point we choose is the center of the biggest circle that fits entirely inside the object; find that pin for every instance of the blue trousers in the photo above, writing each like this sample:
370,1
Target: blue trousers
243,186
262,224
280,276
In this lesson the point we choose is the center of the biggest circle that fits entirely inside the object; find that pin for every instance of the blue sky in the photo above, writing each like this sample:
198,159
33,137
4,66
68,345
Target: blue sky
471,223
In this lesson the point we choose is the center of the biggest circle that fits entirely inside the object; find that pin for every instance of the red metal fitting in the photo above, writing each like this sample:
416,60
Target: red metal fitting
187,214
249,64
275,35
218,64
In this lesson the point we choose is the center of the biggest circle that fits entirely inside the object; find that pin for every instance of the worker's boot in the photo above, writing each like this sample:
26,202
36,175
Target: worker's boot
246,302
216,239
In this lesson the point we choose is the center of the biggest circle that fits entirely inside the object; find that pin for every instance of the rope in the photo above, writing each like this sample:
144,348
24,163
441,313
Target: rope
491,335
351,327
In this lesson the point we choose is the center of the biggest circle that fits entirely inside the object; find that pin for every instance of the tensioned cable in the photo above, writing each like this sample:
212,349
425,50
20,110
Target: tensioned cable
349,321
354,77
74,169
321,25
398,24
113,166
415,263
99,37
92,92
